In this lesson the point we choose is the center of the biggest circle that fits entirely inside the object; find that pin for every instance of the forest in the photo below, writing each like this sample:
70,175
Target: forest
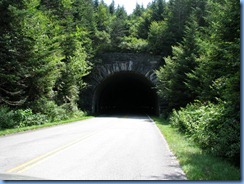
48,47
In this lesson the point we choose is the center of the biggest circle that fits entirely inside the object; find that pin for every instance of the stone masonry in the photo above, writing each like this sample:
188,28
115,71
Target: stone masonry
108,64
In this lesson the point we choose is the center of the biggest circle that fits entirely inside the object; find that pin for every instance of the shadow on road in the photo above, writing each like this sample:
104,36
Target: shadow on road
124,115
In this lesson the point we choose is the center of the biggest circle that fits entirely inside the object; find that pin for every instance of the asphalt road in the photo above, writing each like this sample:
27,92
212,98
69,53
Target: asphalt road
102,148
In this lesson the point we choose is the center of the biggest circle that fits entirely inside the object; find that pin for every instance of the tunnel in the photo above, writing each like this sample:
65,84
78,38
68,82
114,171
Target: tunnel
126,92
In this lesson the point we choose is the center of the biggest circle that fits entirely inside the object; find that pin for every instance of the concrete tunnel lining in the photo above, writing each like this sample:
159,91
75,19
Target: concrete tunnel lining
125,92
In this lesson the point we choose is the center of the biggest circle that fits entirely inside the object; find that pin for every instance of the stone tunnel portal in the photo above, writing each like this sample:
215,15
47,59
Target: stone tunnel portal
126,92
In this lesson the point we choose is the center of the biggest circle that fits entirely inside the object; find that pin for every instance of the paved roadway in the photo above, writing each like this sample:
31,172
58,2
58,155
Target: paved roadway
102,148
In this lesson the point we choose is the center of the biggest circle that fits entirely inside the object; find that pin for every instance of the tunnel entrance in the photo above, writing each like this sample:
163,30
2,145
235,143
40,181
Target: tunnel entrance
126,92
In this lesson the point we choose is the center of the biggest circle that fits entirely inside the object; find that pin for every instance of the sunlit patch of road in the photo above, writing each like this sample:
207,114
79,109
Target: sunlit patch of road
123,147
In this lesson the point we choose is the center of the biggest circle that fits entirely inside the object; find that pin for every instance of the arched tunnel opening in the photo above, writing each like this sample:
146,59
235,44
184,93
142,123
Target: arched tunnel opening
126,92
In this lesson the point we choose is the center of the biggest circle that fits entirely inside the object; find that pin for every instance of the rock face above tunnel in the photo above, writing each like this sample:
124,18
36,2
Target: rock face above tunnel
108,64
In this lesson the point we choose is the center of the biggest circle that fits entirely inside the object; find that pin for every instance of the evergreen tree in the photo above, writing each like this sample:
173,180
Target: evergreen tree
178,14
144,24
84,15
172,76
119,27
112,8
220,57
217,75
101,38
96,3
103,18
30,71
157,38
138,10
75,44
158,10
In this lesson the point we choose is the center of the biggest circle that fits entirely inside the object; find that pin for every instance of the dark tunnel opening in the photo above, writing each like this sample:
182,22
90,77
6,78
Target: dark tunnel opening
126,92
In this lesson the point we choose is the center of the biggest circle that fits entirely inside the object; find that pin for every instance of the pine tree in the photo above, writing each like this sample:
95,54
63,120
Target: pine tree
220,56
218,73
84,14
178,13
96,3
138,10
112,7
31,71
172,77
119,27
76,46
102,38
158,10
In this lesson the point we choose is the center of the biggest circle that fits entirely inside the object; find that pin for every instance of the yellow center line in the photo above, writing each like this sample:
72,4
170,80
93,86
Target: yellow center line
31,163
27,165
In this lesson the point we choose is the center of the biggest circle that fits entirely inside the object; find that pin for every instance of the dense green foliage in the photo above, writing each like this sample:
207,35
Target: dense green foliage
20,118
44,57
205,67
47,48
196,163
211,128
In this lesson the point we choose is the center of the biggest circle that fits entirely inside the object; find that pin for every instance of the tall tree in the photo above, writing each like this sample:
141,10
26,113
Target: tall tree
178,14
138,10
158,10
119,27
220,57
218,73
96,3
84,15
31,57
173,75
75,45
112,7
103,18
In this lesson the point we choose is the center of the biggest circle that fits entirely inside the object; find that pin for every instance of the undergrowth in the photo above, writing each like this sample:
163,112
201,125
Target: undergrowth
195,162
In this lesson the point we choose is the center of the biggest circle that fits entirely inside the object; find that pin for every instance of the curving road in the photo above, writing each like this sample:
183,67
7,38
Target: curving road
102,148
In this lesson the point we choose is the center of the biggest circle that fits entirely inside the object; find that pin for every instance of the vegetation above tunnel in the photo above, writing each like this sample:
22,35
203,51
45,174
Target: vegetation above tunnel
47,47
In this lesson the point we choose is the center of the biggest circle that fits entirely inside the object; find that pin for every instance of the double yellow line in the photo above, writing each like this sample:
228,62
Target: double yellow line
27,165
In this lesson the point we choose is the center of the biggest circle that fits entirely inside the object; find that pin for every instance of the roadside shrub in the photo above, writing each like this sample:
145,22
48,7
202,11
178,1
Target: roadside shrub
11,118
228,139
210,126
7,118
78,114
16,118
50,109
45,108
27,118
200,122
55,112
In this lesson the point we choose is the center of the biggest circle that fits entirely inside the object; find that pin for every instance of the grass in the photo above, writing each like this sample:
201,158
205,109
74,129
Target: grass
34,127
196,164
